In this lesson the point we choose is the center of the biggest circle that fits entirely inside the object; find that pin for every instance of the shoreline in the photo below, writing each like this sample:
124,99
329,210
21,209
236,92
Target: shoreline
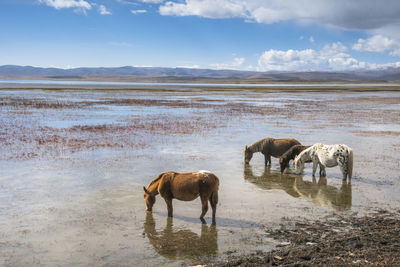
270,87
370,240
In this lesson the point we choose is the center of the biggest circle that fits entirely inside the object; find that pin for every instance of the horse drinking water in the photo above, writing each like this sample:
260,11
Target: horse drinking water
327,156
186,187
269,147
289,155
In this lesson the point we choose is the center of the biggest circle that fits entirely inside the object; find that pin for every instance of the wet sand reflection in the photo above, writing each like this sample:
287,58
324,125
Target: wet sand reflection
182,243
320,193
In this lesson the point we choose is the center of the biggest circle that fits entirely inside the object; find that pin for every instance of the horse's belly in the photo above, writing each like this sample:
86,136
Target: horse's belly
186,192
330,163
186,196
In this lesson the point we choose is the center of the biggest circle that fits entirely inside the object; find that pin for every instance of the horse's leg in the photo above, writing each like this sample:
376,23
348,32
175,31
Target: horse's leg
314,167
168,201
204,206
267,158
322,171
213,201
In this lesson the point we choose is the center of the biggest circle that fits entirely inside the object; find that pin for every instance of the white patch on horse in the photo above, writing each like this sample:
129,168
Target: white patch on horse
204,172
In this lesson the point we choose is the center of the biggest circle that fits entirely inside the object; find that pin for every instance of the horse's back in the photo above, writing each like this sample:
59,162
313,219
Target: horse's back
278,147
294,151
329,154
188,186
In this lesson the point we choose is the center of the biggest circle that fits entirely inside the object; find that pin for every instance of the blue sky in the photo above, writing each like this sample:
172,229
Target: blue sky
266,35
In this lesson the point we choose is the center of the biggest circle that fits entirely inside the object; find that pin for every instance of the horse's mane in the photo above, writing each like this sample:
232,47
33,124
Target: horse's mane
156,179
288,152
259,145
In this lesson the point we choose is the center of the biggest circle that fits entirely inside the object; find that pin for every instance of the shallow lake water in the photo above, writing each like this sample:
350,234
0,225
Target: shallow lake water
73,164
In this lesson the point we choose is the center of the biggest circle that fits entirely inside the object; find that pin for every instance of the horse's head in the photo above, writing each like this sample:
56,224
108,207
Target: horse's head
149,199
248,154
298,162
282,163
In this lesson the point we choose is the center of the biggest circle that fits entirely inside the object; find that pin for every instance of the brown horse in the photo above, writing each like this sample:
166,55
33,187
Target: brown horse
269,147
186,187
290,154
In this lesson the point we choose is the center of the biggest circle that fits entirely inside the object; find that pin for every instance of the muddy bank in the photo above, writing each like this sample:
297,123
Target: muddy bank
371,240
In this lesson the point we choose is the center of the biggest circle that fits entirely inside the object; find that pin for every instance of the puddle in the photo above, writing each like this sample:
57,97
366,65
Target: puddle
73,195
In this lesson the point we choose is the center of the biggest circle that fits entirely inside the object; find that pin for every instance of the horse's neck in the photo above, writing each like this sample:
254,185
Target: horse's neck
153,188
307,154
257,147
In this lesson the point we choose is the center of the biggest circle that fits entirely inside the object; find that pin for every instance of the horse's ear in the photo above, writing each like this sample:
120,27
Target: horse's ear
145,190
246,148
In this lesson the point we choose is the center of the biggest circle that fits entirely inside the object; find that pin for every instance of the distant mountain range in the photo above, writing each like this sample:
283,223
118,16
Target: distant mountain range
154,74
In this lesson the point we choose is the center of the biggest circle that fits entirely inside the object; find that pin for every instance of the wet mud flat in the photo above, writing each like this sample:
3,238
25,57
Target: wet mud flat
73,163
371,240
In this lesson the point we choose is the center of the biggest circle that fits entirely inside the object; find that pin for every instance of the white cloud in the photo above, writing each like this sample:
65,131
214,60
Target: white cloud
332,57
379,44
79,5
138,11
355,14
204,8
311,39
103,10
189,66
236,64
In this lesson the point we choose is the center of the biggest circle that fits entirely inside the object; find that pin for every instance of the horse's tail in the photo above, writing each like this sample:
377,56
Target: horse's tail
214,194
214,197
350,163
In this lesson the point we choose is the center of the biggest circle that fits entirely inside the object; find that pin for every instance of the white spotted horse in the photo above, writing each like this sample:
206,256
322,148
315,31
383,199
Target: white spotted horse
327,156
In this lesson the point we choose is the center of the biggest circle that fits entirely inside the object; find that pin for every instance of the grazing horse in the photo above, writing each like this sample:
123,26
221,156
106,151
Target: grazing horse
186,187
269,147
327,156
289,155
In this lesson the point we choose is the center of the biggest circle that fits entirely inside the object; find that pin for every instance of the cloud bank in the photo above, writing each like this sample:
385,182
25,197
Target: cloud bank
379,44
355,14
332,57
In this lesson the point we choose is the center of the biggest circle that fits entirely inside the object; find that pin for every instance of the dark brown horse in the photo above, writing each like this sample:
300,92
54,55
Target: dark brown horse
269,147
186,187
290,154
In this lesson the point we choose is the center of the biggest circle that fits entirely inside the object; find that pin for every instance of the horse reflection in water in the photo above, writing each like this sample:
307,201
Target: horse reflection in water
181,244
317,192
